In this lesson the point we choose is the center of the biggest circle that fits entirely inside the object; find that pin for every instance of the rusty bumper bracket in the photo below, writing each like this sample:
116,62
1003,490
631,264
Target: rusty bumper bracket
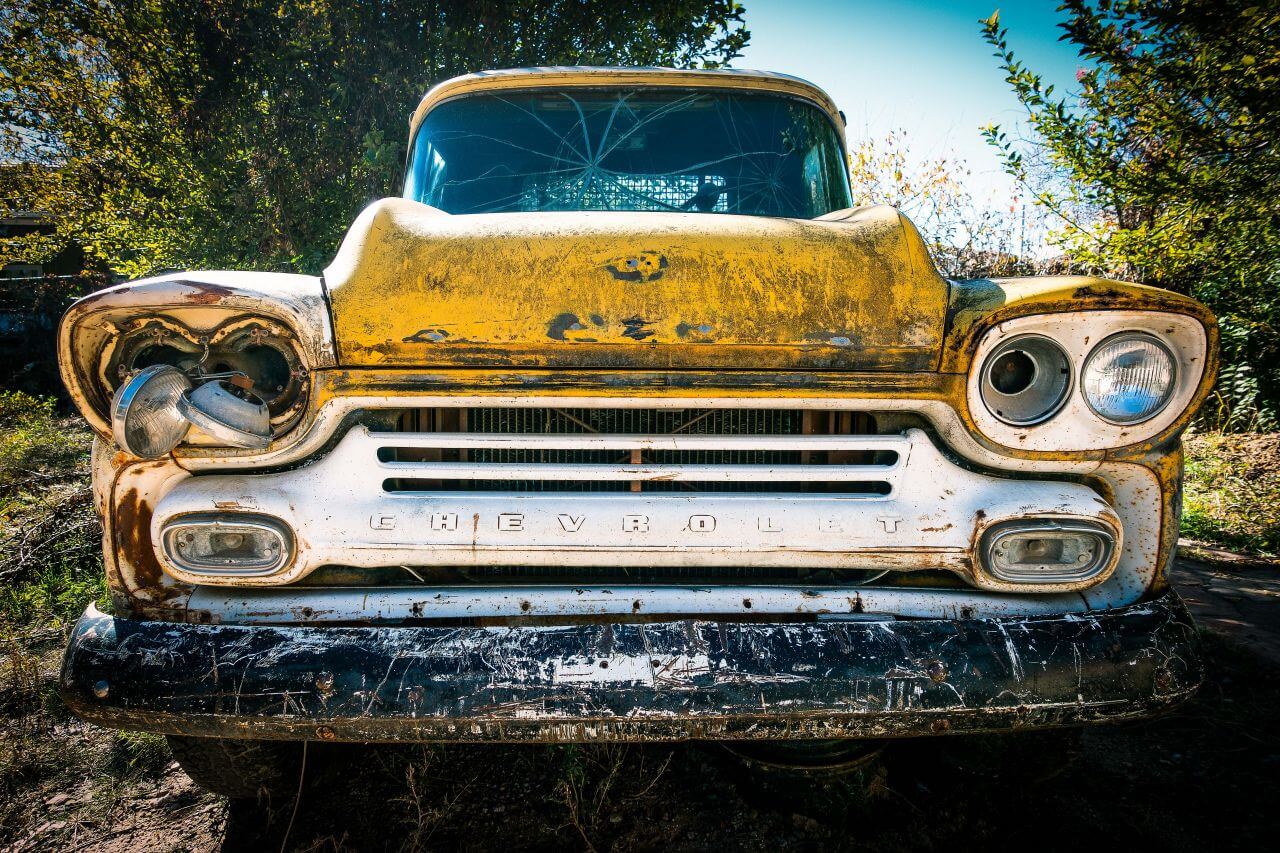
671,680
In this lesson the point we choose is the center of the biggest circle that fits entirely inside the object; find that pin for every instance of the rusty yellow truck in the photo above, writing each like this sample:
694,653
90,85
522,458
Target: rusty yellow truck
622,424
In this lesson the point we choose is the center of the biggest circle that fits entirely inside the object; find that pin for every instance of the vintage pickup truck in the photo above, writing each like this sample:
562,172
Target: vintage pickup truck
622,424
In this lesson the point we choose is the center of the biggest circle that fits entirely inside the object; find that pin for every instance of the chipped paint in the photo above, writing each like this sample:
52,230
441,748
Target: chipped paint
622,681
777,293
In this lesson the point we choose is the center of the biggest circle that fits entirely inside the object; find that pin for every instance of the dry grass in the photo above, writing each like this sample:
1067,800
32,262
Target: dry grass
1232,492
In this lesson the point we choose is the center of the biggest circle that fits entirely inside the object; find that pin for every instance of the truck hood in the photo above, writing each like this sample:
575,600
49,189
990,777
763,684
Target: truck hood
412,286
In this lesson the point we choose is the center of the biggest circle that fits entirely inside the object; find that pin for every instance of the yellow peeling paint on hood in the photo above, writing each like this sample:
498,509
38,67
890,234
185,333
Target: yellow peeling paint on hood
855,290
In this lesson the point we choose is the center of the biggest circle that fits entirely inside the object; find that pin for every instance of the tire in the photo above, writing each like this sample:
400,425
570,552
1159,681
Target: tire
828,780
239,769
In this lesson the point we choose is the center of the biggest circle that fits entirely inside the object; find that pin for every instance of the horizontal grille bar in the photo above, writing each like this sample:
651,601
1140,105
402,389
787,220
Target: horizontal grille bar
553,471
578,441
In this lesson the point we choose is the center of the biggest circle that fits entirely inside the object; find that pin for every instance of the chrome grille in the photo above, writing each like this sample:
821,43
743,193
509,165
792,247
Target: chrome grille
637,422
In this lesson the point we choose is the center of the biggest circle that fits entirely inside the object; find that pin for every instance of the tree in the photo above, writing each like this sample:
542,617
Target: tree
1165,165
968,238
244,133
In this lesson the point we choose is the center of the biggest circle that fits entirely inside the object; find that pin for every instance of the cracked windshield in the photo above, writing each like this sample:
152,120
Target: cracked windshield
759,155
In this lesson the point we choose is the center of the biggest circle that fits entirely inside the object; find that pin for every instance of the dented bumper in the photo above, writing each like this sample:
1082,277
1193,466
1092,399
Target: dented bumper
673,680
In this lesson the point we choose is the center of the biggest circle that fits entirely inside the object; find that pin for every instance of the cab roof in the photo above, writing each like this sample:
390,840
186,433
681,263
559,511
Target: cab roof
561,76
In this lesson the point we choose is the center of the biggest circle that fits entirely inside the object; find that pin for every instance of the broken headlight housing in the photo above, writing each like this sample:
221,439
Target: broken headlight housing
244,382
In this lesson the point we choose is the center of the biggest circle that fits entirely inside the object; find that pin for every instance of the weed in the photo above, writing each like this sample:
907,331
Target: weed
428,809
137,755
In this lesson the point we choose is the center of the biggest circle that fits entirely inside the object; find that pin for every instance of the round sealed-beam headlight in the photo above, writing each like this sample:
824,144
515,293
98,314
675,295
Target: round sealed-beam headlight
1128,378
1025,380
145,420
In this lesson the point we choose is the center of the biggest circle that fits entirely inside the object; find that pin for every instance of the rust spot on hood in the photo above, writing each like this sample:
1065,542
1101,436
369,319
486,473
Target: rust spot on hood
636,328
562,323
642,266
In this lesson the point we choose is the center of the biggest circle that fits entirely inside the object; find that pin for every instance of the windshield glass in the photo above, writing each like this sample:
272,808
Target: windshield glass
664,149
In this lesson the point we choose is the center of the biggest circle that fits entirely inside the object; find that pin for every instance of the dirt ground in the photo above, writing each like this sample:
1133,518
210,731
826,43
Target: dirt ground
1204,778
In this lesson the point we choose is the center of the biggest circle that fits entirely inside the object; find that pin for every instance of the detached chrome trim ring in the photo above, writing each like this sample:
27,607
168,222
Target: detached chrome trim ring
222,431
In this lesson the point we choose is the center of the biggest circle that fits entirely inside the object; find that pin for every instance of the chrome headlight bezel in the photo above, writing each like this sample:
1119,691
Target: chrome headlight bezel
1075,427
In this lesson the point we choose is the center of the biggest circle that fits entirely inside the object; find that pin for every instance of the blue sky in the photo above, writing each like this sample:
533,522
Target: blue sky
913,64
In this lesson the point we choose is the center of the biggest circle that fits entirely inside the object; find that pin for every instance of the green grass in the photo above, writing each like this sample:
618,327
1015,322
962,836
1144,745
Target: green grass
1232,492
50,569
50,560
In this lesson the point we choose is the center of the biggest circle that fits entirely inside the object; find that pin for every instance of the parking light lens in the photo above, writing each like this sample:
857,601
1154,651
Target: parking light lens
232,544
1047,551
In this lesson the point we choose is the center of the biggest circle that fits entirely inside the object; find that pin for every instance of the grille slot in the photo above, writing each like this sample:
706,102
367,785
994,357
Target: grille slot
410,485
636,421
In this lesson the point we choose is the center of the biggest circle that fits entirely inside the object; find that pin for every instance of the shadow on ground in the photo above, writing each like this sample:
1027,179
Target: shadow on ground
1204,778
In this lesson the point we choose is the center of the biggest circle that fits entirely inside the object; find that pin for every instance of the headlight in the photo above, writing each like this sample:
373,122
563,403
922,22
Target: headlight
1025,380
1128,378
144,413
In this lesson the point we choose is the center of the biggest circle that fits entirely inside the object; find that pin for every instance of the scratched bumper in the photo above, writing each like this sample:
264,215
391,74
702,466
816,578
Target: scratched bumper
657,681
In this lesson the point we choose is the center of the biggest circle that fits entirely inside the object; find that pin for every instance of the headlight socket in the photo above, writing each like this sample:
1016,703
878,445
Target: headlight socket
1025,380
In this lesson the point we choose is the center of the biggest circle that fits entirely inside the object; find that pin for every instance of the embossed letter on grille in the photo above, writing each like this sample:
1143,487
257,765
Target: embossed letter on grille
571,523
635,524
702,523
444,521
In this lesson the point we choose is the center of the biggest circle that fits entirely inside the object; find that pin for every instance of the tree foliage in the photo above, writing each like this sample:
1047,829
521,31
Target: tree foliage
243,133
1165,165
967,236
